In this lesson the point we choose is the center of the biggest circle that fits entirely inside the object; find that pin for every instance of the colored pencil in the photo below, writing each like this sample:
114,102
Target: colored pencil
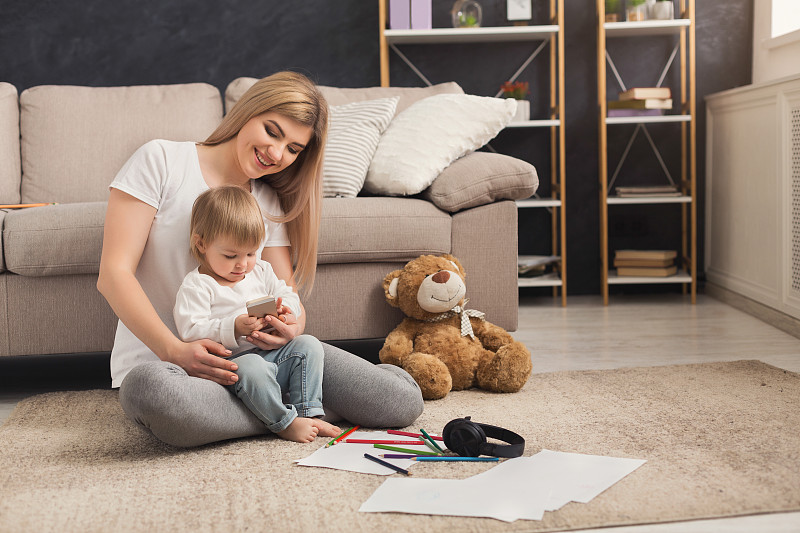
20,206
428,437
399,456
455,459
370,441
430,445
387,464
343,435
402,450
410,434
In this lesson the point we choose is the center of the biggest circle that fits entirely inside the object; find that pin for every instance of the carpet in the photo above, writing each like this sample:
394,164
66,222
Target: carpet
720,439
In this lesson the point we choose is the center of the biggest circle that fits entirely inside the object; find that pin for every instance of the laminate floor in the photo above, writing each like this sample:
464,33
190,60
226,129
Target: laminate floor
638,331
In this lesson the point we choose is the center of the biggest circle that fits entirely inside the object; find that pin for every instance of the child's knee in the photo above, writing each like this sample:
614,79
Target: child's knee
311,348
252,365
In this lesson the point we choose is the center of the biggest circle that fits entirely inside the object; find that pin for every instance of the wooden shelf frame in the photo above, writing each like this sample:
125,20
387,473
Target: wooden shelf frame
551,34
684,28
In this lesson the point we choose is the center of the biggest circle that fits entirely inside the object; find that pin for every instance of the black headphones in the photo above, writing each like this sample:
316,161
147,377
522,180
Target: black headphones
468,439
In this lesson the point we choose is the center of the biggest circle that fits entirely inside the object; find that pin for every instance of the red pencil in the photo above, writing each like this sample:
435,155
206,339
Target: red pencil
408,434
369,441
343,435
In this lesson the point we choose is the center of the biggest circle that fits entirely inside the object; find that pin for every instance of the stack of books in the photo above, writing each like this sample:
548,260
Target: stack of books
647,263
638,191
641,101
531,266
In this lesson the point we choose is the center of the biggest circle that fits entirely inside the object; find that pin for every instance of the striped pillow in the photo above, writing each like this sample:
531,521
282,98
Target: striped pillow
353,136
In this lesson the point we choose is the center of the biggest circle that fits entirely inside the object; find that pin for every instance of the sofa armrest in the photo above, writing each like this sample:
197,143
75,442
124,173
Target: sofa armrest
481,178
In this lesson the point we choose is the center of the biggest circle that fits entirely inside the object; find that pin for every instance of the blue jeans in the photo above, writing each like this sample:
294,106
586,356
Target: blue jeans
265,375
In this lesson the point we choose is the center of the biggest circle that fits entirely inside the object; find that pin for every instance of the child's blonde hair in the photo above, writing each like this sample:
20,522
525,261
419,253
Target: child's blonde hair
226,211
299,186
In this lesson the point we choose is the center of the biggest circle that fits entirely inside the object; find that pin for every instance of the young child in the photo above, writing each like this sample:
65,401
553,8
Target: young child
227,232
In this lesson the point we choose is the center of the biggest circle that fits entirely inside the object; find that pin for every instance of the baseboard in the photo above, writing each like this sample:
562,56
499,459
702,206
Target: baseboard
771,316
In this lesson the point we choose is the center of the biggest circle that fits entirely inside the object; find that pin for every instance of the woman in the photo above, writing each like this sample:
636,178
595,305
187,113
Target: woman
271,143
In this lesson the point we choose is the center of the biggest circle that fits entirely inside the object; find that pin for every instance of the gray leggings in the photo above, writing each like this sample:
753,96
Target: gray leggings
186,411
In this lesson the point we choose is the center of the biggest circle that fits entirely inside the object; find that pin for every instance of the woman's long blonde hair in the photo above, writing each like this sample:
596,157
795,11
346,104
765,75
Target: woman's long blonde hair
299,186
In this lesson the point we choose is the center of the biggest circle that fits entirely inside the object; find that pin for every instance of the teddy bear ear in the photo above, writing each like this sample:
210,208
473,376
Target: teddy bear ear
390,287
456,263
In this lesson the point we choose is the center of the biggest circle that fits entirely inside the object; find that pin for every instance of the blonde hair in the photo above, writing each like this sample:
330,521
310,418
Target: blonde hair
299,187
226,211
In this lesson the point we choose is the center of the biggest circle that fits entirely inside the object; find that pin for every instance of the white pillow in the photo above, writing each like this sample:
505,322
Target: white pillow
353,135
433,132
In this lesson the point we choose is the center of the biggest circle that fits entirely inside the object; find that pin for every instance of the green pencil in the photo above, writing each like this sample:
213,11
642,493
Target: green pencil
403,450
428,437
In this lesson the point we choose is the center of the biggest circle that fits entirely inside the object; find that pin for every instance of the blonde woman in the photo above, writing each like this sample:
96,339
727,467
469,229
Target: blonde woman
270,144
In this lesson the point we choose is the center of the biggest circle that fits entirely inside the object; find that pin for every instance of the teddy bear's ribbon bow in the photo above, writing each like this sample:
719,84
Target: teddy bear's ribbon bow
464,313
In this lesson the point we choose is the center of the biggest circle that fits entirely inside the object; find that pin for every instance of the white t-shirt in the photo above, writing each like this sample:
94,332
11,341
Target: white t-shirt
204,309
166,175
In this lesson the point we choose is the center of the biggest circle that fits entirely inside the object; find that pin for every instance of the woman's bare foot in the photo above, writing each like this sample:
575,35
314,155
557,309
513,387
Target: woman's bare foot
301,430
326,429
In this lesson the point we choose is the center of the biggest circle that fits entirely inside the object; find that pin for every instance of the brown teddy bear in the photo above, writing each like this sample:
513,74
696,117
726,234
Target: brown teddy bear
443,346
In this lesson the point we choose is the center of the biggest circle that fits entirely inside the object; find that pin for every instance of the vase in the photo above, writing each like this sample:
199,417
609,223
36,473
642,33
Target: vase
636,13
523,112
467,14
663,10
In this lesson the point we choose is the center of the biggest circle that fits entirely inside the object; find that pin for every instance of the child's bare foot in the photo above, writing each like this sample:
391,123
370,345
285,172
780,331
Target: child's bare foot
300,430
326,429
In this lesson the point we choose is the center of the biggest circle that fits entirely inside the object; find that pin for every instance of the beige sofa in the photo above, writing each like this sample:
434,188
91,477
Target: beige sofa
64,144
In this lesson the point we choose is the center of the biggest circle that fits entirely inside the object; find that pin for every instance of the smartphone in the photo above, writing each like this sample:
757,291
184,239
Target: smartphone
261,307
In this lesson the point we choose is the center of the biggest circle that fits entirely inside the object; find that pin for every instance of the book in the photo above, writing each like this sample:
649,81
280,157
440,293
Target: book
536,265
635,112
643,93
643,262
646,190
649,103
645,254
660,272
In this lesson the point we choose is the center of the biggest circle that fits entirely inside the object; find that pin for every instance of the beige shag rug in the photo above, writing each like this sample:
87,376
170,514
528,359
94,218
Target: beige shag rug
720,439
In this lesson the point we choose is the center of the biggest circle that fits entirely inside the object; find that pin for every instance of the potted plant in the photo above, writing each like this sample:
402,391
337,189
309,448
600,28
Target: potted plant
612,10
636,10
519,91
466,14
663,10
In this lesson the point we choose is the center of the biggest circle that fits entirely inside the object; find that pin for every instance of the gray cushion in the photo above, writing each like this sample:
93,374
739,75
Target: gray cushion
481,178
75,139
379,229
54,240
9,144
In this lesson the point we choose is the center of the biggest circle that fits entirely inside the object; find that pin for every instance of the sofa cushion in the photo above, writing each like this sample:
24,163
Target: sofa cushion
378,229
342,96
75,139
353,135
9,144
54,240
425,138
2,254
481,178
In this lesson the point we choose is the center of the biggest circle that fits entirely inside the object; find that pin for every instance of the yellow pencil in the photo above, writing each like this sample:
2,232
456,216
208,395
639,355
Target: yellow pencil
20,206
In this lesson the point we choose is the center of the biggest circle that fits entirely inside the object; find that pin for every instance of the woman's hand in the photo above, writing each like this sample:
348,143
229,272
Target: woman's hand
205,359
285,329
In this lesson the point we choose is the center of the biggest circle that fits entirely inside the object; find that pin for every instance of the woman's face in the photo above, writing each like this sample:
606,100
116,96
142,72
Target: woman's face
269,143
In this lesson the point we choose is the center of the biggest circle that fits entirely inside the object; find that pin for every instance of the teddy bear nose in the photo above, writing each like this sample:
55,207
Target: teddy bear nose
441,277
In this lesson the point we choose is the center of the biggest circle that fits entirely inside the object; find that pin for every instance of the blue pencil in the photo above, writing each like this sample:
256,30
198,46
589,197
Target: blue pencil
454,459
387,464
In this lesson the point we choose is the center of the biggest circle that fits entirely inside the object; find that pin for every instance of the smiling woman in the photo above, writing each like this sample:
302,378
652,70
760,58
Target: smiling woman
271,144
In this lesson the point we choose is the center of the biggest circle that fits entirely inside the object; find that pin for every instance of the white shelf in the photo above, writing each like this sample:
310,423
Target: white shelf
547,280
649,200
535,123
648,120
471,35
646,28
680,277
538,202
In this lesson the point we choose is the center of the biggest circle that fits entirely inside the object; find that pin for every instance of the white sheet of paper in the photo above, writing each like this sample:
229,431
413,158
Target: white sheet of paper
522,488
348,456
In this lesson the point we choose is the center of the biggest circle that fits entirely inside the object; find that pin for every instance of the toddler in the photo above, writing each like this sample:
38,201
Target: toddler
227,232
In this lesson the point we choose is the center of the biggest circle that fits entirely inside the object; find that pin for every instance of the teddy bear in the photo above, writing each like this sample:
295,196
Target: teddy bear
440,343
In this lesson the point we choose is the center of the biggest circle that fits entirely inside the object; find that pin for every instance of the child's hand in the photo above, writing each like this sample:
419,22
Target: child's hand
246,325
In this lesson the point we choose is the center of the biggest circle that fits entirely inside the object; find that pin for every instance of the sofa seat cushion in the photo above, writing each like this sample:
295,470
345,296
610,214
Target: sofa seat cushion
9,144
54,240
378,229
2,255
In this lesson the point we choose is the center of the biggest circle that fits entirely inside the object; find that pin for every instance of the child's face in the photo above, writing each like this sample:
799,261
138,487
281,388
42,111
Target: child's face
229,262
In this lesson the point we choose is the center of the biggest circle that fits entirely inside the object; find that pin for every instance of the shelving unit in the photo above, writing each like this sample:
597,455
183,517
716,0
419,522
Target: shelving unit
550,34
683,28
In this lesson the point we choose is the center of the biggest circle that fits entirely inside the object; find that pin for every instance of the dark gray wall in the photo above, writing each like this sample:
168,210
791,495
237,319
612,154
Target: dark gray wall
135,42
